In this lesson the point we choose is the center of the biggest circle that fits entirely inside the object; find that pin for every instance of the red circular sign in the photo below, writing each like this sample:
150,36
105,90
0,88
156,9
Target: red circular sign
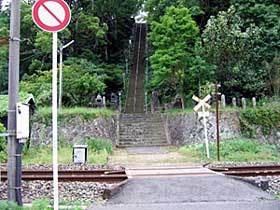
51,15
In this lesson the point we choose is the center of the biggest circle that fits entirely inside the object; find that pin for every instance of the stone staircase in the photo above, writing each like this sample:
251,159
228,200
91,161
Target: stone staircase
135,127
141,129
135,95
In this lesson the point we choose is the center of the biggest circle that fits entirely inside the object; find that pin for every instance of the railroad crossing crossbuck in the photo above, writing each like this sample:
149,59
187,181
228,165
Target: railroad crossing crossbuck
202,103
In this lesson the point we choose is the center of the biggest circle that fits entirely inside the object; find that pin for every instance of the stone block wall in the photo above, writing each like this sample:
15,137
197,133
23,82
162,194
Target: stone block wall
181,129
75,130
186,128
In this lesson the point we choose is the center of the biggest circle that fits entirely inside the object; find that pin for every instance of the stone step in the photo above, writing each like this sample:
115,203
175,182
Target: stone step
146,133
141,126
144,138
143,142
137,131
141,145
140,138
143,135
141,120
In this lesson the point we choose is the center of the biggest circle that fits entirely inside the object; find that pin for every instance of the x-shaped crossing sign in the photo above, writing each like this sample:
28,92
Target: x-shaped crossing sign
201,102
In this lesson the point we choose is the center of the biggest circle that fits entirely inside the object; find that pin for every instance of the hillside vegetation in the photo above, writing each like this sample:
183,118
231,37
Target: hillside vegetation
192,43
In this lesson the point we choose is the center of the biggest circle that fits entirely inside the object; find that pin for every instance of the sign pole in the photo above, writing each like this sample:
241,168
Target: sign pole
205,131
53,16
217,121
54,124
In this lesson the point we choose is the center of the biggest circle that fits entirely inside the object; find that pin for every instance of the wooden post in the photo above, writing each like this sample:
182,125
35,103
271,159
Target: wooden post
217,121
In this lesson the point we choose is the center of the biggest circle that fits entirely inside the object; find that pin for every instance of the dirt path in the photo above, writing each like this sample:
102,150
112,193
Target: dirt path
170,157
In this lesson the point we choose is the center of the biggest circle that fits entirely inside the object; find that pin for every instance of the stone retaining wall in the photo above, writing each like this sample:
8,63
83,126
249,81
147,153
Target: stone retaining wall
76,130
186,128
180,129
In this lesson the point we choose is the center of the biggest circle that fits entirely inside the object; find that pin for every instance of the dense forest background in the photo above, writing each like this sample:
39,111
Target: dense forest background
192,44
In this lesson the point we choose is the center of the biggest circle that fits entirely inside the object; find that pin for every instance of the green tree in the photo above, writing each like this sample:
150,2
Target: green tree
173,38
234,51
82,80
200,9
265,15
118,15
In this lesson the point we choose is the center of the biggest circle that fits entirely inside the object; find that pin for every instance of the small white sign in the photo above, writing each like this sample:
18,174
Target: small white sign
80,153
202,114
22,116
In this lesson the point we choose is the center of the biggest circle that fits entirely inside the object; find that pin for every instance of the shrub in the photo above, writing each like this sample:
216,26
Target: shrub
100,144
266,117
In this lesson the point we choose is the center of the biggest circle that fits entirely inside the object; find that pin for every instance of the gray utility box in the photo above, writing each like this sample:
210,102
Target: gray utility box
80,153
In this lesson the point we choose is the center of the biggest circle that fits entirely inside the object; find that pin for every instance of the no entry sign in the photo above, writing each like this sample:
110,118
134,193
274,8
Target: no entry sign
51,15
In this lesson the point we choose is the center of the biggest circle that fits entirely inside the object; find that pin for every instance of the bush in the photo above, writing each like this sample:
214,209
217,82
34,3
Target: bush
267,117
100,144
3,145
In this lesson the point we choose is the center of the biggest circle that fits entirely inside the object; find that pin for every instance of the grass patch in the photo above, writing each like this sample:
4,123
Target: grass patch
43,155
97,153
179,111
236,150
100,144
41,204
44,114
190,110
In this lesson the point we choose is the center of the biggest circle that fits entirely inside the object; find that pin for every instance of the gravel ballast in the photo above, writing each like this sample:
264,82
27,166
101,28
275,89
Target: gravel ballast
85,192
270,184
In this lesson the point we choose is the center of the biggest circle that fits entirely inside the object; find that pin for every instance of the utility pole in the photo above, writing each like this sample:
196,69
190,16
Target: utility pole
13,96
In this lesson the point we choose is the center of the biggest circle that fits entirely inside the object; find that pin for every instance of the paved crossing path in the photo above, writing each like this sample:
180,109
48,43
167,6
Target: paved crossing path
213,192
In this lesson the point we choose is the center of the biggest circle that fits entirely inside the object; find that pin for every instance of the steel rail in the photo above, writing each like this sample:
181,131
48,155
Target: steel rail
103,175
265,170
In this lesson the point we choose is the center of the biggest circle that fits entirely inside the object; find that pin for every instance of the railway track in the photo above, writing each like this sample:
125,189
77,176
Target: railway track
265,170
98,175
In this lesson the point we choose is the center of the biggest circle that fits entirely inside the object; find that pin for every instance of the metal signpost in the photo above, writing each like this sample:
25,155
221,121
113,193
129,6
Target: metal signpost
202,103
53,16
61,47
